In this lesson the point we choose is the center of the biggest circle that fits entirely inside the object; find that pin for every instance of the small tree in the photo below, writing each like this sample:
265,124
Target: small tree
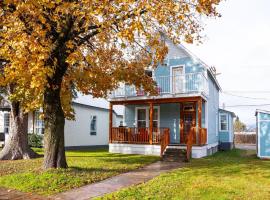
239,126
55,47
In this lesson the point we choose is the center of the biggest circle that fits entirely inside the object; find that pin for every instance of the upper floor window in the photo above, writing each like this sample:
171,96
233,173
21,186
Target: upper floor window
223,122
39,123
93,125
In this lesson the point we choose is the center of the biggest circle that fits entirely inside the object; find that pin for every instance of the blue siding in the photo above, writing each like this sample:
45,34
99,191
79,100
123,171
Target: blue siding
212,103
264,134
170,117
227,136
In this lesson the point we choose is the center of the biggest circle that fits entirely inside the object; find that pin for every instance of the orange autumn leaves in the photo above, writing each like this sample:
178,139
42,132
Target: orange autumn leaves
102,43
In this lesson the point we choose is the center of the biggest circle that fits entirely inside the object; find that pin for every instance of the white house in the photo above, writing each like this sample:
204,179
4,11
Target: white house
90,127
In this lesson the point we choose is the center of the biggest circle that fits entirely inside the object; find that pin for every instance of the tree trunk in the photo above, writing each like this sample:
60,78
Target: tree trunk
54,130
17,143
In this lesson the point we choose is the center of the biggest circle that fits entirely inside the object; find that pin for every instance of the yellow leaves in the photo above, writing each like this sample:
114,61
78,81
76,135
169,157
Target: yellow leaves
39,35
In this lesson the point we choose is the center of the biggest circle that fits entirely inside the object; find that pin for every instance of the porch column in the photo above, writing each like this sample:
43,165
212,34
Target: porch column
110,122
151,123
200,120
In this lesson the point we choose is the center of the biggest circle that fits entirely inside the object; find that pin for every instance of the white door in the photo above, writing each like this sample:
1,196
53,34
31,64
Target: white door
178,79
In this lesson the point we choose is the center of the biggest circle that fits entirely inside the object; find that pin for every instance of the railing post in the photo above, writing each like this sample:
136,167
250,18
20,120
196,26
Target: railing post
200,120
151,123
129,135
110,122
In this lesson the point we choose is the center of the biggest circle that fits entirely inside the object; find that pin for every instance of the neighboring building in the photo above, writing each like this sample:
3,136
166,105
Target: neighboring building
90,127
263,133
187,102
225,131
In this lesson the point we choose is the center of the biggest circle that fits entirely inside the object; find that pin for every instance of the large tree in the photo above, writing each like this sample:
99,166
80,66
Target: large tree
16,146
55,47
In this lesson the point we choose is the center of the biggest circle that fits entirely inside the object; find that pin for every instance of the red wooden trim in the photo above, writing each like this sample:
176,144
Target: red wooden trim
157,101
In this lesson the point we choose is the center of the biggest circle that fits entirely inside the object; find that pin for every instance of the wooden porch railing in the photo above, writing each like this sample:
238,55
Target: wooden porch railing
202,136
164,141
137,135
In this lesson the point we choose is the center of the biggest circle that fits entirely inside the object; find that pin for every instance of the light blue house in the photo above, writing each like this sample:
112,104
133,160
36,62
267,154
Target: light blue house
225,130
263,133
187,103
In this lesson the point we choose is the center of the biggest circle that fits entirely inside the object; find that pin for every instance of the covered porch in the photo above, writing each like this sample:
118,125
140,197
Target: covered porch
161,122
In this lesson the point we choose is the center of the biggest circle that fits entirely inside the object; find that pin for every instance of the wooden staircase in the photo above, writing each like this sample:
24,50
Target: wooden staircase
174,154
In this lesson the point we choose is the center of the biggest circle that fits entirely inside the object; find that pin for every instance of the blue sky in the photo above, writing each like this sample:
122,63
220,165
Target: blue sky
238,45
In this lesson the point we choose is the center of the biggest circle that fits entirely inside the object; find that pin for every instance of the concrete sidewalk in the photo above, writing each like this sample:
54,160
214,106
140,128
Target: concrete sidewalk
118,182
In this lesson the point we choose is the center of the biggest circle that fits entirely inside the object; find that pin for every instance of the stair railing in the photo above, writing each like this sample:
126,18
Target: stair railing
164,140
189,143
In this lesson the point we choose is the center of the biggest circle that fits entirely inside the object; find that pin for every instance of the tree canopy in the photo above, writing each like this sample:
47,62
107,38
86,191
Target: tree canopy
100,42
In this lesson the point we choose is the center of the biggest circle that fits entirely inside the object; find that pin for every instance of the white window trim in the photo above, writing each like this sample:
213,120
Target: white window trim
147,115
91,118
227,119
40,125
171,75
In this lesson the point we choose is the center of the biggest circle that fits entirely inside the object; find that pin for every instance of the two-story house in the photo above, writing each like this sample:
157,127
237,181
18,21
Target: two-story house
187,102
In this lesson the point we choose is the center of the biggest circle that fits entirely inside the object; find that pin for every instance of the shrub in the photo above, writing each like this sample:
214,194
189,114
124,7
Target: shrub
35,140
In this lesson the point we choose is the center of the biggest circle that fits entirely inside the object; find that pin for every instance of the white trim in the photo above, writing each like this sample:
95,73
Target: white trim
206,119
259,136
143,149
171,77
219,122
147,114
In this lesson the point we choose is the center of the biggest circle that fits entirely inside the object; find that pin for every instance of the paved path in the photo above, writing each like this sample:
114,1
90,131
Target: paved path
117,182
246,146
6,194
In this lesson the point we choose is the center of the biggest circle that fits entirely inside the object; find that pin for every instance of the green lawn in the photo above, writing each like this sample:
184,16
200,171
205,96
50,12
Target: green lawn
237,174
84,167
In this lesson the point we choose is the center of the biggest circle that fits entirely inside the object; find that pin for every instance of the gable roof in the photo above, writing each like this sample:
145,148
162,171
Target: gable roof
223,110
89,100
192,55
261,111
186,53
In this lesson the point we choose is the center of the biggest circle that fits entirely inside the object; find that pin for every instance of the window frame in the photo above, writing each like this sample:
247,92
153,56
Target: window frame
5,122
147,109
93,132
227,122
38,126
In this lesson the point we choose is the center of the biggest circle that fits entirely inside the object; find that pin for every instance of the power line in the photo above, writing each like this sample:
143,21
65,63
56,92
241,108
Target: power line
246,97
248,105
247,91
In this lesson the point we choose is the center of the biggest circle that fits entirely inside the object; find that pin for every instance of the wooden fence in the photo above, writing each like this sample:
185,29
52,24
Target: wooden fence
245,138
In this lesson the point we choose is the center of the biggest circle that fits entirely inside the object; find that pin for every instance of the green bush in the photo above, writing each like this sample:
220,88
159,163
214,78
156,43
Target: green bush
35,140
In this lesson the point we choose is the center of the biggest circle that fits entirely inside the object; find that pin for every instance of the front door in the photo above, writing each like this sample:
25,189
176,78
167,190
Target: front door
188,120
178,79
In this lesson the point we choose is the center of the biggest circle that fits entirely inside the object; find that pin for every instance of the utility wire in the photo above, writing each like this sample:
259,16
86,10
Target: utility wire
250,105
246,97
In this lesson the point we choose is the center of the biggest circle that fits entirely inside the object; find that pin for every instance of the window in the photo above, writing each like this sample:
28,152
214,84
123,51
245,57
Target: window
6,122
223,122
39,123
141,118
93,125
189,107
155,118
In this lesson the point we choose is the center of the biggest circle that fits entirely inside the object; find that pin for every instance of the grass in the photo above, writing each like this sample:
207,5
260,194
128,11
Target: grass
236,174
84,167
